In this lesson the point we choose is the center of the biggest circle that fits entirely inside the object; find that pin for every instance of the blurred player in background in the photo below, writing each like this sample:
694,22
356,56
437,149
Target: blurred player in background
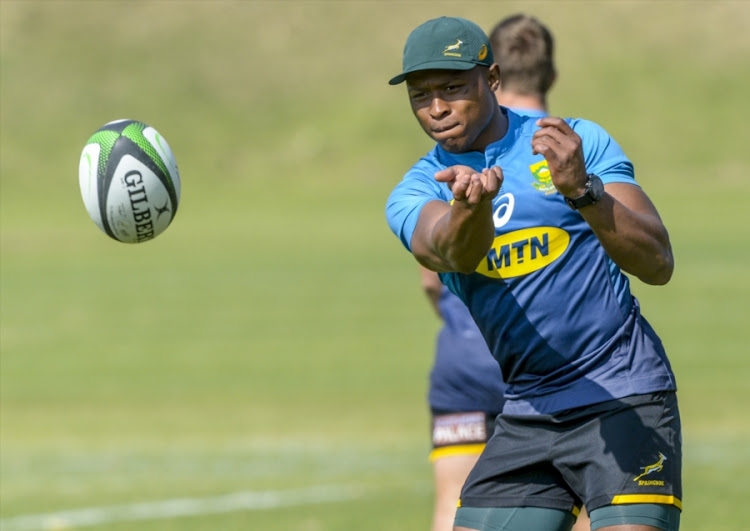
530,507
466,387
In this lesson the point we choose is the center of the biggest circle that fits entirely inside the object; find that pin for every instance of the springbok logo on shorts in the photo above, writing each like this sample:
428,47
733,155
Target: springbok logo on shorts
650,469
453,49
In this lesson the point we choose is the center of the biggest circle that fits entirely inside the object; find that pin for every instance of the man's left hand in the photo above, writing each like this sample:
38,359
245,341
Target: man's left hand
561,147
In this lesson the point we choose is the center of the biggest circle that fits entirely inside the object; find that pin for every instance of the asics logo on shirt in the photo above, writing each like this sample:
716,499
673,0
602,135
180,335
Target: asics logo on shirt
502,213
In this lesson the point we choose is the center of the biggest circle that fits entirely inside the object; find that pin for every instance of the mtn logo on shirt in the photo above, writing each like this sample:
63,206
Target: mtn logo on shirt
521,252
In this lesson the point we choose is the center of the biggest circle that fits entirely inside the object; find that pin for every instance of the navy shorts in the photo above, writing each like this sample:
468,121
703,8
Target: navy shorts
621,451
464,433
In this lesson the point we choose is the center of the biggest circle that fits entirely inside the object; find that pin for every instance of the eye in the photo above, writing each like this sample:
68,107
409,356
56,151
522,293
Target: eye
453,88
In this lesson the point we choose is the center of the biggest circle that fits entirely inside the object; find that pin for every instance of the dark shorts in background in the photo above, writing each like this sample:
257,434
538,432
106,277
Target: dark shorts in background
617,452
464,433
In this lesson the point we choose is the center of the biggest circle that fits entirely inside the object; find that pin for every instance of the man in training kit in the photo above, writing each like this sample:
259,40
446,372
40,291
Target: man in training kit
466,388
533,222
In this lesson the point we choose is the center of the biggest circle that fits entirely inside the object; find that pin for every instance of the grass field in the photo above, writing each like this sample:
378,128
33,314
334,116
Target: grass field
263,363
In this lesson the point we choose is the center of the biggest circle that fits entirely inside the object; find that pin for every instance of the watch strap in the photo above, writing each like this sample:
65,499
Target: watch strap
594,192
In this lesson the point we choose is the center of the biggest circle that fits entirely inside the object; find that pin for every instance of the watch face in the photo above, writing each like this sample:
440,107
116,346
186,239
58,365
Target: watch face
597,188
594,192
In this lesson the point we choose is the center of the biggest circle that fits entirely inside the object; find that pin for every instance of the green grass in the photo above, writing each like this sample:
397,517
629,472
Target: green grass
275,337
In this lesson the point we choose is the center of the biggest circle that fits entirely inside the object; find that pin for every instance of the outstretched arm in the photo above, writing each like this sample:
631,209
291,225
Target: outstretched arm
455,237
625,220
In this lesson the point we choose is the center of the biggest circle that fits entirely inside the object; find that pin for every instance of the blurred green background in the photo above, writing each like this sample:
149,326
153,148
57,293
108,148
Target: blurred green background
275,339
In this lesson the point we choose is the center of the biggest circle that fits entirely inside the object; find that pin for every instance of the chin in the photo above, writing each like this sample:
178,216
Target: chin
457,143
453,147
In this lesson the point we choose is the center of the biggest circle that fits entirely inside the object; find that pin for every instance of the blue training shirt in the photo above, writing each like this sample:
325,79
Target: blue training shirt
555,311
464,376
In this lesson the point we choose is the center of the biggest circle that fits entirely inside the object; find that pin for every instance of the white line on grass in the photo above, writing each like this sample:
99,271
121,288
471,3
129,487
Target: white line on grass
179,507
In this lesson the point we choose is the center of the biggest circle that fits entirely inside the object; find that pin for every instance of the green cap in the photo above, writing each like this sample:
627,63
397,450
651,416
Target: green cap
445,43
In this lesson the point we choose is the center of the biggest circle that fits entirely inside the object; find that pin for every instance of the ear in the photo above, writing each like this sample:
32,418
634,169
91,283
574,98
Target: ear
493,77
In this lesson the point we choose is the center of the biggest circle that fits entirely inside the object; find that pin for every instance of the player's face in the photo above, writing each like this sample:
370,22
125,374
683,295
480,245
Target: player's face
456,108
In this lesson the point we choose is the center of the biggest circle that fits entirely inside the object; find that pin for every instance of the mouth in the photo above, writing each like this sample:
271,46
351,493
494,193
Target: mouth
443,129
445,133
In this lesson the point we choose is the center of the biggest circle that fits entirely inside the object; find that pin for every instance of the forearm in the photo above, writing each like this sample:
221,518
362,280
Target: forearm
624,219
453,237
463,236
635,240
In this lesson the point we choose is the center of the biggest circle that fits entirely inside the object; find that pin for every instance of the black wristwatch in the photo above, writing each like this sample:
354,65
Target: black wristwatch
594,192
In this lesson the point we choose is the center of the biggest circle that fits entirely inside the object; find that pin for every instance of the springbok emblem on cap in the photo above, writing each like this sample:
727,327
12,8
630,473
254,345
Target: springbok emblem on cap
451,49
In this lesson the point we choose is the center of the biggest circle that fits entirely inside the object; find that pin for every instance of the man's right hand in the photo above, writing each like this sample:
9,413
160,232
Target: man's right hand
469,186
456,237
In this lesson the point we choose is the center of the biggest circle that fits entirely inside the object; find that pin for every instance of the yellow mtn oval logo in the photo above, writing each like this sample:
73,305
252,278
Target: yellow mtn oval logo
482,55
523,251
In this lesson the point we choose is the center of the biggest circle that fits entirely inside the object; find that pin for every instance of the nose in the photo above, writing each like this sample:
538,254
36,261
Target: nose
438,108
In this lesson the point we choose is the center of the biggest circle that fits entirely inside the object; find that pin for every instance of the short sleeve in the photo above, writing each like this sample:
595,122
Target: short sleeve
603,155
407,199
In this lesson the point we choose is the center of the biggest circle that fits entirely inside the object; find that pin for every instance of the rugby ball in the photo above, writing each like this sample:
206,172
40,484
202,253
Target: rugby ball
129,181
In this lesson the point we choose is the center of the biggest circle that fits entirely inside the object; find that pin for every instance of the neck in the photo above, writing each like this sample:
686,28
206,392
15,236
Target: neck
521,101
497,129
